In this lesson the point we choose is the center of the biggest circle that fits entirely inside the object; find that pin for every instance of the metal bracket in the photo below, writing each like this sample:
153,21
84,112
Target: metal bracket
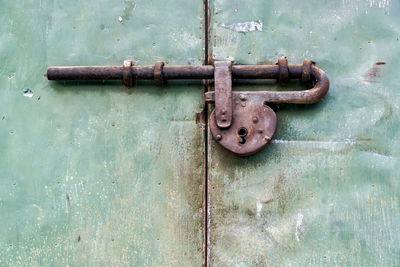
223,93
241,122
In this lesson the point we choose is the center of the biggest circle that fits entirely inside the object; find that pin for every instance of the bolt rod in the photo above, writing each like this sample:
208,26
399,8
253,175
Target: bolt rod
168,72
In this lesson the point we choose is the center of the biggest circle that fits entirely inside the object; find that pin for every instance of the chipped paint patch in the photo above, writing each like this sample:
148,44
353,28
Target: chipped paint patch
129,8
379,3
247,26
331,145
27,93
365,5
299,226
374,72
259,208
383,4
345,141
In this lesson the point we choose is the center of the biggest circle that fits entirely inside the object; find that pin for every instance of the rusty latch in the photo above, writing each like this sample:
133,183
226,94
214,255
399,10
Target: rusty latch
251,124
242,122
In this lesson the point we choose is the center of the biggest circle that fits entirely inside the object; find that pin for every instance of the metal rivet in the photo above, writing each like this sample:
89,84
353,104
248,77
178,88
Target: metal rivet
255,119
242,97
219,137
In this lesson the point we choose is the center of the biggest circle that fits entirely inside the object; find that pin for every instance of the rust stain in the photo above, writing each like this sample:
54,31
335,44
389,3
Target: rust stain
68,203
374,72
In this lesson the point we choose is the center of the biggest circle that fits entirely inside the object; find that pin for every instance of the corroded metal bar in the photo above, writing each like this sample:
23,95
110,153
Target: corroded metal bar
85,73
282,72
309,96
223,93
168,72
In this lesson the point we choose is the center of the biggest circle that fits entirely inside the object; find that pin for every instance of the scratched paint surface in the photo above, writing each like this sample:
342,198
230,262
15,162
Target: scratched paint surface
93,174
326,191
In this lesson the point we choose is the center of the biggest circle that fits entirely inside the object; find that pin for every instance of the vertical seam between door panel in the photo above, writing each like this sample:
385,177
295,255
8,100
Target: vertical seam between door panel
205,159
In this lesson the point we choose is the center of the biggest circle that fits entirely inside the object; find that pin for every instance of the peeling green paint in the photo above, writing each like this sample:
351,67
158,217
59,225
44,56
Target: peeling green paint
326,190
94,174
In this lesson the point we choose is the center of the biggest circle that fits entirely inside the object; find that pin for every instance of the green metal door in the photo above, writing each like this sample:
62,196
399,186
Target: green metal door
326,190
95,174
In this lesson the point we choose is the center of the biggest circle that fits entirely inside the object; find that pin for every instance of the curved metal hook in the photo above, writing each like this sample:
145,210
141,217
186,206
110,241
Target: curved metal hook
309,96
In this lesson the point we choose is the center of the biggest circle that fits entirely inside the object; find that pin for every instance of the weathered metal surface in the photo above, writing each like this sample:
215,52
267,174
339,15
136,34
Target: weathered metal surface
127,77
326,191
223,94
159,73
309,96
283,70
88,175
139,72
252,128
184,72
222,116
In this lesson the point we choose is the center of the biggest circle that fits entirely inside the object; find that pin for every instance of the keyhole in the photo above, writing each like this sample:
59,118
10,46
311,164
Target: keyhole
242,132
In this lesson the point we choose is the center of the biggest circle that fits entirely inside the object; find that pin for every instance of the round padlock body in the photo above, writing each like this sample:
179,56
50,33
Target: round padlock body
253,126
